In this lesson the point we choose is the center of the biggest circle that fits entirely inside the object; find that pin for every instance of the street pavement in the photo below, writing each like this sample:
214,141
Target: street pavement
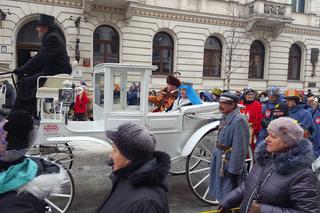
90,173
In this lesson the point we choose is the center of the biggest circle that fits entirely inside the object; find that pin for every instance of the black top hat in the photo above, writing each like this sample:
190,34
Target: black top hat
45,20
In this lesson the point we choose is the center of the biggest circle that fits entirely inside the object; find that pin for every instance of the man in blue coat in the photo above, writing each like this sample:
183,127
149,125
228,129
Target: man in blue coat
228,167
51,59
298,112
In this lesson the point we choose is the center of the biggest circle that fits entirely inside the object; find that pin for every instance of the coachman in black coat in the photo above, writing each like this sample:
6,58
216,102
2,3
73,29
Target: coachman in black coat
51,59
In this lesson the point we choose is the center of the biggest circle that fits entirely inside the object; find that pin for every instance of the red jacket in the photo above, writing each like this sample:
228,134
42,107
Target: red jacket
254,112
81,104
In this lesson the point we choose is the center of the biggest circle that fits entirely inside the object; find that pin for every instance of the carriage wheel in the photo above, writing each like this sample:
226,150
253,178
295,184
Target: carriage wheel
199,177
61,202
178,166
61,153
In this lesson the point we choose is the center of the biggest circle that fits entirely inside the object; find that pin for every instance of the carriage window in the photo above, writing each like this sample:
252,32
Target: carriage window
162,54
99,89
212,57
126,92
105,45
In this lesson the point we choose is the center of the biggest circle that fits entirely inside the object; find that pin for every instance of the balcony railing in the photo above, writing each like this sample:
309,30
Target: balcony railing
270,14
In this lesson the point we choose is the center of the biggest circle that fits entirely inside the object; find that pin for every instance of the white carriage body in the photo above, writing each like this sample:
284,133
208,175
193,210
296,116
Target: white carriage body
173,130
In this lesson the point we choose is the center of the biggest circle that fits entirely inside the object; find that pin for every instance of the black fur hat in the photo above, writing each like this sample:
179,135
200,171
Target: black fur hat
19,126
45,20
173,81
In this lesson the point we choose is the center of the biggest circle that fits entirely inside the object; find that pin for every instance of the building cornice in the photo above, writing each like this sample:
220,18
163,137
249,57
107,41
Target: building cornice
203,18
72,3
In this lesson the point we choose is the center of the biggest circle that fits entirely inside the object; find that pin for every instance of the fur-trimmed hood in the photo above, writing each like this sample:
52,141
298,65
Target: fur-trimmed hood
152,173
44,185
295,159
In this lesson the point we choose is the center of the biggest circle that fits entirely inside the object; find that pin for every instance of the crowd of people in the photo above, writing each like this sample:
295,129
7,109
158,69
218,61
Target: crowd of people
283,129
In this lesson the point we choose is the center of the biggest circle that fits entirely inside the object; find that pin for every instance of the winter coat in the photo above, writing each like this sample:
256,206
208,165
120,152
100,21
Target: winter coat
143,190
268,108
30,197
233,132
180,102
10,94
315,113
303,116
51,59
253,110
164,101
281,183
80,105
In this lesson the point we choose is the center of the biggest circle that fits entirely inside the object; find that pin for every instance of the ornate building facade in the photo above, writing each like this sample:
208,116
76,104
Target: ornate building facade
212,43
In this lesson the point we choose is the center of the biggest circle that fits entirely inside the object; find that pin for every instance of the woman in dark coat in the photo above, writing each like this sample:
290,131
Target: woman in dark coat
51,59
281,179
24,182
140,177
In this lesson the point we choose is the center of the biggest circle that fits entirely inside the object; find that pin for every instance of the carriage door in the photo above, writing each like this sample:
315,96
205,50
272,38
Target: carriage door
28,42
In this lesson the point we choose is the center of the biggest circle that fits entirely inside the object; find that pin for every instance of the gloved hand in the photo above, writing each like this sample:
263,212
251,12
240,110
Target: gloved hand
220,208
17,71
255,207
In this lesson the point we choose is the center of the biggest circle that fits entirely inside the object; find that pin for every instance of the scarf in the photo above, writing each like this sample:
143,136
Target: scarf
18,175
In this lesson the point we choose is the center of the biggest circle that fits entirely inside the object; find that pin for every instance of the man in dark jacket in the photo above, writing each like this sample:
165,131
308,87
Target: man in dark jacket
140,177
51,59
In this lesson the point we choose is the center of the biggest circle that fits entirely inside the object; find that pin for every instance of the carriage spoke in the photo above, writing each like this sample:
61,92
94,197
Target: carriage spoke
53,205
199,170
201,181
206,193
60,195
207,150
202,159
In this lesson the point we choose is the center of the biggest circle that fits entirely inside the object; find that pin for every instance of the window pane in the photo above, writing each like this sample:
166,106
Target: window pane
105,45
212,57
301,6
162,53
99,89
256,60
294,62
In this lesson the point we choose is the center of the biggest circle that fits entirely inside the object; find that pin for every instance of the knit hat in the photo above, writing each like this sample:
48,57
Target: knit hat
173,81
217,91
283,107
135,142
287,129
247,90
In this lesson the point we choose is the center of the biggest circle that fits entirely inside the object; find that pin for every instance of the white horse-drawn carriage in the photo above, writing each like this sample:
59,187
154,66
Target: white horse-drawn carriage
187,135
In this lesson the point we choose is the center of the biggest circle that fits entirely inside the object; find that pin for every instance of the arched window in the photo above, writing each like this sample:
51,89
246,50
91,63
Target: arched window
28,42
105,45
162,54
212,57
256,61
294,62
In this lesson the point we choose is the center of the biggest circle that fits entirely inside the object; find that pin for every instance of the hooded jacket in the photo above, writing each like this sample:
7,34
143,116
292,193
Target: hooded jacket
141,189
281,183
29,198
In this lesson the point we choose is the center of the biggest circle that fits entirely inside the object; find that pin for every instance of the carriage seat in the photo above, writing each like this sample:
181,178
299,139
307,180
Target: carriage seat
51,87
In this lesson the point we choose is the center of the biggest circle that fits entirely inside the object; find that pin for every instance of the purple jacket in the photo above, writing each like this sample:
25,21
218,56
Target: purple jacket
281,183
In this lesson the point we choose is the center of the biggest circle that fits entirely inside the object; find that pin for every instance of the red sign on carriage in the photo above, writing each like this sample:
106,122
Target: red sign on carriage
50,128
